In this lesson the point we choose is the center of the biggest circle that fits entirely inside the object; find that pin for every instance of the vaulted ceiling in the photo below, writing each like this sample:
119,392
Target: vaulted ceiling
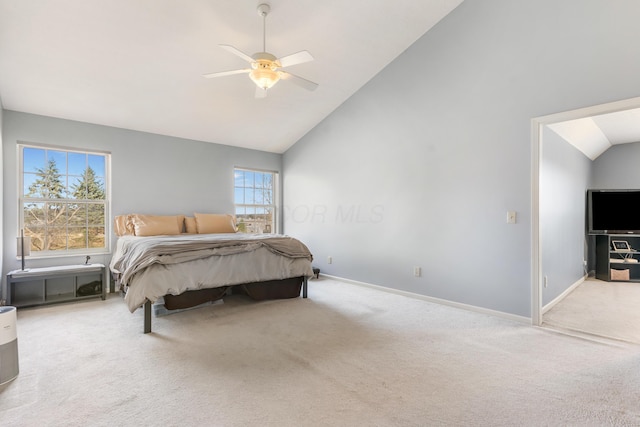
139,64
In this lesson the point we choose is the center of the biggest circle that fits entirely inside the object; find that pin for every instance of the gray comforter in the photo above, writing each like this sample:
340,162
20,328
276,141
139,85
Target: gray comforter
151,267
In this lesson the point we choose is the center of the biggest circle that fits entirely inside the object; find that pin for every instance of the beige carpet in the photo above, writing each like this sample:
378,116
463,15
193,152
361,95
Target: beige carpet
347,356
596,307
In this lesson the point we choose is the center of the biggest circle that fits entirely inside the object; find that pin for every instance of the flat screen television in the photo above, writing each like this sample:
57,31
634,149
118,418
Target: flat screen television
613,211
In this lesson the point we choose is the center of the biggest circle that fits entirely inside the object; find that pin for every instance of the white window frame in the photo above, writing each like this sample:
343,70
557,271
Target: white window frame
275,228
22,200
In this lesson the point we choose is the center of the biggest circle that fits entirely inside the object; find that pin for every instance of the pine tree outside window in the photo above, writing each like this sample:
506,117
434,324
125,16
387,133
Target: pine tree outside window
64,200
255,200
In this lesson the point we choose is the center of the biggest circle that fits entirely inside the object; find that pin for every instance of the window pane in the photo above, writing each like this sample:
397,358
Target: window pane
33,159
47,183
77,237
258,197
238,178
77,163
95,214
56,214
249,198
97,189
41,186
65,181
77,189
60,159
97,163
56,238
259,180
27,181
37,235
248,179
96,237
238,195
33,215
77,214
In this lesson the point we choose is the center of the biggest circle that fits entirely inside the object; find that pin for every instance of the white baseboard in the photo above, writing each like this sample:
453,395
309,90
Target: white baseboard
502,314
563,295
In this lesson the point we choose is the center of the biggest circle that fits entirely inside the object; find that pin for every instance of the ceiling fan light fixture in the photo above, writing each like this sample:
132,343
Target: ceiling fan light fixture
264,74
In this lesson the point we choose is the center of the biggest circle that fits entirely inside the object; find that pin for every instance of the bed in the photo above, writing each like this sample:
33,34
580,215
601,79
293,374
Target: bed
186,266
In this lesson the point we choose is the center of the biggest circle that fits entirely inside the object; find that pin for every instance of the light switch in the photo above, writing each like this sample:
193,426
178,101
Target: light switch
511,217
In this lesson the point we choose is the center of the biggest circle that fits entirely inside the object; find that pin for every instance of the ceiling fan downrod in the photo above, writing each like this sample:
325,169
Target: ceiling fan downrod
263,10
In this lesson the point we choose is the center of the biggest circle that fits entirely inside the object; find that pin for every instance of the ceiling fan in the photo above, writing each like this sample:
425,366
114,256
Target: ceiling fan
266,69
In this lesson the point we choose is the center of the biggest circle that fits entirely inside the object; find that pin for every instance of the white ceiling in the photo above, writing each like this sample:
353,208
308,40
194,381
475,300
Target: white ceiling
594,135
138,64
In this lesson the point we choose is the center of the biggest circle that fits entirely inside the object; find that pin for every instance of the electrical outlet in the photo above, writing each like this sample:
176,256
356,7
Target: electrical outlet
417,271
546,281
329,260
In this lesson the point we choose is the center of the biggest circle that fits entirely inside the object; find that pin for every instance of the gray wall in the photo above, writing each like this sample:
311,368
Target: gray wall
150,173
618,168
565,175
1,189
437,147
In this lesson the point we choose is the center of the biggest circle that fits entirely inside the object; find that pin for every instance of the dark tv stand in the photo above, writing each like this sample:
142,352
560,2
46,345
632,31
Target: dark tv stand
615,266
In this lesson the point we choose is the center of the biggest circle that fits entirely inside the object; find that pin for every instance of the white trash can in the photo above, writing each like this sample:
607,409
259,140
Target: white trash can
8,344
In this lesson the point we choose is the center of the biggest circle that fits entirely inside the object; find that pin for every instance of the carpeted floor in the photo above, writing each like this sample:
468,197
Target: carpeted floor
596,307
347,356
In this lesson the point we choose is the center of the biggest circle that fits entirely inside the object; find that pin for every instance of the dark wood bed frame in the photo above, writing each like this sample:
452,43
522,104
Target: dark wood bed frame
256,290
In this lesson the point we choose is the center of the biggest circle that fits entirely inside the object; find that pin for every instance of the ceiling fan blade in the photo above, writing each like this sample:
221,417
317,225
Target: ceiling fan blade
235,51
307,84
261,93
295,58
226,73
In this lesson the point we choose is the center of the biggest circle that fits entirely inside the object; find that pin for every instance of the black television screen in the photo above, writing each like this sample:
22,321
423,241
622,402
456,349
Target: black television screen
613,211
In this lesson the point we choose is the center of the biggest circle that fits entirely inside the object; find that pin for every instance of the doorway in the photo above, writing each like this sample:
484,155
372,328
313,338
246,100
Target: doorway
539,125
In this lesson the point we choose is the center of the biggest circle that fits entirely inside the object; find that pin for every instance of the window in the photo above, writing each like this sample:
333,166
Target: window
255,197
63,200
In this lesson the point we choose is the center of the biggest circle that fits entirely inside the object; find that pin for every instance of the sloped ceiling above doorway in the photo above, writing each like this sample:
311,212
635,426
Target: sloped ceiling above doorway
596,134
